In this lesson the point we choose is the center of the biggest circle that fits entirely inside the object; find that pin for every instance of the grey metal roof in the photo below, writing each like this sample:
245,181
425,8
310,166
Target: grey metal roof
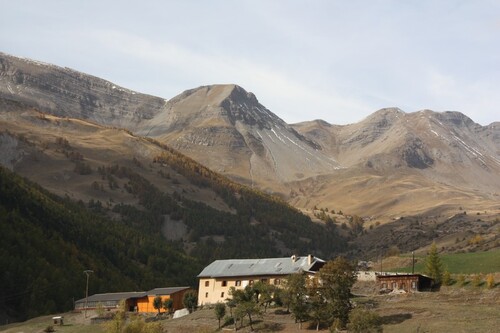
166,291
256,267
113,296
133,294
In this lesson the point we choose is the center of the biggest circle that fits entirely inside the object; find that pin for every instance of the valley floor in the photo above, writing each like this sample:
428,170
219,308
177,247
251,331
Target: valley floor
452,309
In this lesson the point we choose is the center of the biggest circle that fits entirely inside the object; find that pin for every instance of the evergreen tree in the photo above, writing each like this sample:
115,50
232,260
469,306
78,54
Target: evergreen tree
433,265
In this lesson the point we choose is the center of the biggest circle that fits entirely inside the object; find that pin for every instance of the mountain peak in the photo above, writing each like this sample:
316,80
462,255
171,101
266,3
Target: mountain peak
456,118
238,94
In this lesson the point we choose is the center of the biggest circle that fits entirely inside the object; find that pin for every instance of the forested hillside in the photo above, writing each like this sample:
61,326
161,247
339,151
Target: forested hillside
48,241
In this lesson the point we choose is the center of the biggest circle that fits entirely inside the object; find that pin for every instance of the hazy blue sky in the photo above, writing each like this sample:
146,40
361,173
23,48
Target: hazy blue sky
332,60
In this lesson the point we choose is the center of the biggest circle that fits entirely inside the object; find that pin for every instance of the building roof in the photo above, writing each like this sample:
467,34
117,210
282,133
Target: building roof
113,296
260,267
166,291
402,275
109,297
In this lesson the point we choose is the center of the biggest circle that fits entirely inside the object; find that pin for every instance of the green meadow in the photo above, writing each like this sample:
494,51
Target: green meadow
462,263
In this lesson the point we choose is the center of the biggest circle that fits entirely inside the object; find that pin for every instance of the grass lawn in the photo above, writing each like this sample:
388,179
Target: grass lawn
462,263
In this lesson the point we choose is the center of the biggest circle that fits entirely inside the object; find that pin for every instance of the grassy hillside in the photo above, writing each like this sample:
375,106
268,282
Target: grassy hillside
146,184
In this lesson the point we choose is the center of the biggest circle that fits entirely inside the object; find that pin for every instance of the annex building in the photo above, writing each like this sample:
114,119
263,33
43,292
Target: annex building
137,301
404,282
216,279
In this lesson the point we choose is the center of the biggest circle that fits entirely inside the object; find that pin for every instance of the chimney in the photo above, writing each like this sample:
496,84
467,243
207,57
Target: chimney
309,259
294,258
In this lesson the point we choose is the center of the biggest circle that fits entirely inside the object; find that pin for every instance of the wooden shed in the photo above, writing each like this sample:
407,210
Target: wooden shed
176,294
406,282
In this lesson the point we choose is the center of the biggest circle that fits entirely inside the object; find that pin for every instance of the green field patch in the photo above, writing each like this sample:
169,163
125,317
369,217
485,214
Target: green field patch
462,263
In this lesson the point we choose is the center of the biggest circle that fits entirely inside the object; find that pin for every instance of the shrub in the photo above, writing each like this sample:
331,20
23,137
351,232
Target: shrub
190,300
461,280
364,321
476,280
490,281
446,278
393,251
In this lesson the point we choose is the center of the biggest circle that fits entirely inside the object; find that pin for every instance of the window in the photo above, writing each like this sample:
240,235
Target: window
224,283
413,285
402,286
250,283
207,283
206,295
384,285
222,294
263,280
394,285
237,283
277,282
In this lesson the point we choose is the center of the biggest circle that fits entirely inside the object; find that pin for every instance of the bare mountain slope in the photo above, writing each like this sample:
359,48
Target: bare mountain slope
407,163
227,129
390,163
67,93
47,149
221,126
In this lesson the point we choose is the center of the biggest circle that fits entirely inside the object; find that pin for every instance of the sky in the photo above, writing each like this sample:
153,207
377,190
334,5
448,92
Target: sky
334,60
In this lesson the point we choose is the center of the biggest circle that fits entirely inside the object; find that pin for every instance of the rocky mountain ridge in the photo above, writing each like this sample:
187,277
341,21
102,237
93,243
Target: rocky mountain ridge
390,163
256,146
65,92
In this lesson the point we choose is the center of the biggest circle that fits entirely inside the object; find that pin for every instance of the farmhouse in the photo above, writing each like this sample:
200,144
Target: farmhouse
141,301
406,282
220,275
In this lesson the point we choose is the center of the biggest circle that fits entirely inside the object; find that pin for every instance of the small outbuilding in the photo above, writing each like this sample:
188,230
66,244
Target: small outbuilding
176,294
405,282
137,301
109,301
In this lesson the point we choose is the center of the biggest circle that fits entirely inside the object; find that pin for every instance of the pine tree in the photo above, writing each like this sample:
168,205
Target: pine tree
433,265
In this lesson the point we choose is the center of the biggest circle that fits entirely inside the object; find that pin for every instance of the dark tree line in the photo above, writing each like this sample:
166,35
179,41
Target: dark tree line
48,241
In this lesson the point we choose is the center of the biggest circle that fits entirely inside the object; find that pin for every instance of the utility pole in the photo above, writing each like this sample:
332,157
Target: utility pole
412,262
87,272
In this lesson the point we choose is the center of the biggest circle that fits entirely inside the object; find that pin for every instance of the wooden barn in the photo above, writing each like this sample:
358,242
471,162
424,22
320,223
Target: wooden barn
406,282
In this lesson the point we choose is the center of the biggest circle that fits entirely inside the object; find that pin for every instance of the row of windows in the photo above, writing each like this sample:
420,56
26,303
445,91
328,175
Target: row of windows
237,283
221,295
394,285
